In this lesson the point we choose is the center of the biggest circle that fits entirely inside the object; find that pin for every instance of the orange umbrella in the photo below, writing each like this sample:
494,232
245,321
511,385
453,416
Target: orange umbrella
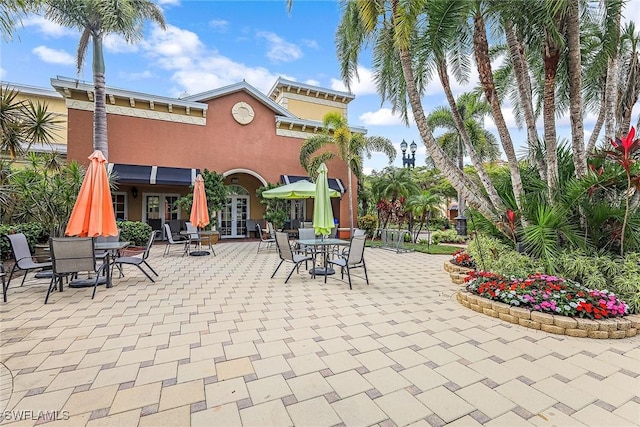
199,213
92,214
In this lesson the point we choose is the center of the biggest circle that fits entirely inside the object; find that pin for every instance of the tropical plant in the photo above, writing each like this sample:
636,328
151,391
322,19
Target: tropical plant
23,123
393,186
471,111
350,147
424,206
44,194
95,19
11,14
275,209
368,223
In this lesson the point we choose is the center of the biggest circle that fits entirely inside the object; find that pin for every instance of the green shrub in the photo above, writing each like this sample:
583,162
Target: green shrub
603,271
33,231
369,223
490,254
446,236
135,232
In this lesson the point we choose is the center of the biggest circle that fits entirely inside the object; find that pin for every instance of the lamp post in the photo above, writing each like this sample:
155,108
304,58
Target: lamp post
408,161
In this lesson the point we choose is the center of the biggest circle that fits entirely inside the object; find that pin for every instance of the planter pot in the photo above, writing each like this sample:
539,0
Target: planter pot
42,253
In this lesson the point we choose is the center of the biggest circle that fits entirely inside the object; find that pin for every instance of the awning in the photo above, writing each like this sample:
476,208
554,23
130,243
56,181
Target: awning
141,174
334,183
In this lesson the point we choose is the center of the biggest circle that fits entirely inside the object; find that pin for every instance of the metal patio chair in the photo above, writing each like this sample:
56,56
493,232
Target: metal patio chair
171,243
353,259
23,256
286,254
268,241
139,261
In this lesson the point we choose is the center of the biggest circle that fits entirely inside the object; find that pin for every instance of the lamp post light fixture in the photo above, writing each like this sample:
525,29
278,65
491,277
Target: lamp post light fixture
408,160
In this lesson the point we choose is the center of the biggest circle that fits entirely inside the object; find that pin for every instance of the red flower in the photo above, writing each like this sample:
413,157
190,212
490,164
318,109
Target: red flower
626,146
511,216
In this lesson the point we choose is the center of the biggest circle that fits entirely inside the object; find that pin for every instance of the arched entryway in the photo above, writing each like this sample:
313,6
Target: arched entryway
232,219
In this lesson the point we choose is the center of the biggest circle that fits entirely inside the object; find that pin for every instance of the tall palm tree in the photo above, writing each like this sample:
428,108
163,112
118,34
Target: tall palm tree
425,206
95,19
471,111
391,29
350,147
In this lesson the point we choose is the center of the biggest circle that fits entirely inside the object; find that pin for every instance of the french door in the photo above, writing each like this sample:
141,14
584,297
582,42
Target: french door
233,217
160,209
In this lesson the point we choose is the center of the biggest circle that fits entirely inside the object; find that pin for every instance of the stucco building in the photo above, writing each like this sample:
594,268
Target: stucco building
157,145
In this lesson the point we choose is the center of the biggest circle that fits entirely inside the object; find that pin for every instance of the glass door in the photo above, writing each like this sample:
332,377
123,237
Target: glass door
233,217
160,209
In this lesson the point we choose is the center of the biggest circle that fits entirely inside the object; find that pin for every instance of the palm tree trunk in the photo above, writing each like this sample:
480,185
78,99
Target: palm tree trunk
611,89
629,96
350,193
483,62
593,139
473,154
461,202
521,71
100,103
457,179
575,88
551,60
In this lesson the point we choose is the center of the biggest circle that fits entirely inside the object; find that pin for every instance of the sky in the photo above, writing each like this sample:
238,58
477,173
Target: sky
213,43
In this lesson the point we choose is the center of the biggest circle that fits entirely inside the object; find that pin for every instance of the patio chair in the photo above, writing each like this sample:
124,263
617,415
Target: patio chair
24,259
268,241
4,284
193,238
73,255
171,242
286,254
139,261
305,234
353,259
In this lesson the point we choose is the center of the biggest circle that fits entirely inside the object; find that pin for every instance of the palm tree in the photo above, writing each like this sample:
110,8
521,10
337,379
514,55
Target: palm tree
95,19
424,205
471,111
350,147
11,14
23,123
394,184
391,30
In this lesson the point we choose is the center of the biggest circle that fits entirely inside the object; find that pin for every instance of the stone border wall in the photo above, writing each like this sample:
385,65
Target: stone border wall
615,328
619,327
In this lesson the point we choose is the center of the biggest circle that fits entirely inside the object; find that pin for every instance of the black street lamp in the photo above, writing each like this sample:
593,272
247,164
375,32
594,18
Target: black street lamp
408,161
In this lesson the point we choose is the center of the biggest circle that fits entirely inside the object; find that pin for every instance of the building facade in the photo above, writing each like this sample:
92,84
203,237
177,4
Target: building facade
158,144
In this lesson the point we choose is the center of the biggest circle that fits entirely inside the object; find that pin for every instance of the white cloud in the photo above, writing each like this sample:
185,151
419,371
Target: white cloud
3,73
509,118
53,56
313,82
219,24
280,50
382,117
146,74
631,13
168,2
312,44
367,171
47,27
115,43
363,84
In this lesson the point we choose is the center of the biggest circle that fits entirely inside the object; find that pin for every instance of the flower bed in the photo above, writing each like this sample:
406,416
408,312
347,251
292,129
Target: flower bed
614,328
550,294
462,259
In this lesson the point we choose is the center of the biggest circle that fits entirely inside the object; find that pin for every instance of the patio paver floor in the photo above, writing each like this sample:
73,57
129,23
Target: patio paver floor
215,341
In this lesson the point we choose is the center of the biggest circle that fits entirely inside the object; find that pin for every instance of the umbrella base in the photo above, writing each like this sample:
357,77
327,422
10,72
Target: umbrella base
87,283
321,271
199,253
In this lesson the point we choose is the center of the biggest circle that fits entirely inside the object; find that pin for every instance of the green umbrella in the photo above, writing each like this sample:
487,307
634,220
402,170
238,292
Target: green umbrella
322,211
302,189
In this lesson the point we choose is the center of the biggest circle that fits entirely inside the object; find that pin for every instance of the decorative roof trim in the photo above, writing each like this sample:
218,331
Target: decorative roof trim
308,88
65,84
313,124
31,90
237,87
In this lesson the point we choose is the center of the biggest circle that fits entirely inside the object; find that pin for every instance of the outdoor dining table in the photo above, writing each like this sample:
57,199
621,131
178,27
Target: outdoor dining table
323,244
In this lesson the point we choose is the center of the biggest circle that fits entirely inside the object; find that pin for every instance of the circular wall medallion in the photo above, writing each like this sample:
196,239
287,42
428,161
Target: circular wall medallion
242,113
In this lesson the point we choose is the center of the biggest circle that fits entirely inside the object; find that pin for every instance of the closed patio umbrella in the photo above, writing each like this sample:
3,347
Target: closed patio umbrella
92,214
322,211
199,212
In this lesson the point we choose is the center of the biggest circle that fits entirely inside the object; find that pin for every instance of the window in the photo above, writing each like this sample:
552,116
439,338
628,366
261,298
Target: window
119,201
